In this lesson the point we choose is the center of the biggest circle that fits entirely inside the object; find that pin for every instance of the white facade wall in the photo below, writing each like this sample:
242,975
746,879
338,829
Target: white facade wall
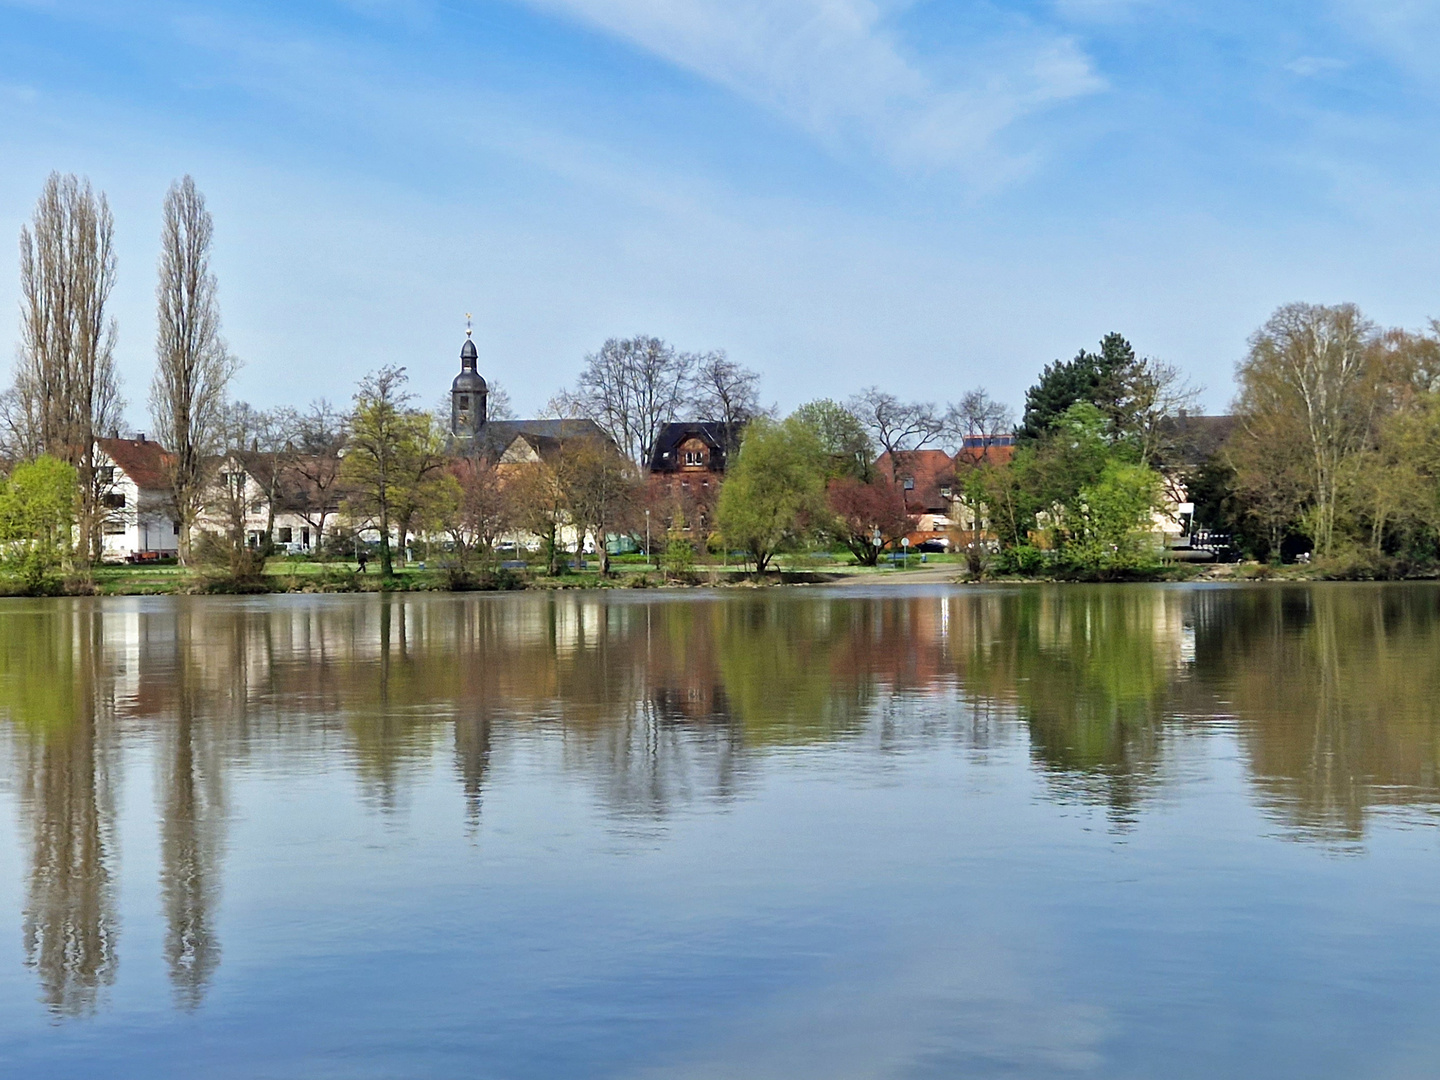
138,521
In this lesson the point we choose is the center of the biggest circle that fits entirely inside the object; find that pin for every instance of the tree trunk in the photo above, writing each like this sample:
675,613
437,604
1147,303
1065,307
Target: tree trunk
387,567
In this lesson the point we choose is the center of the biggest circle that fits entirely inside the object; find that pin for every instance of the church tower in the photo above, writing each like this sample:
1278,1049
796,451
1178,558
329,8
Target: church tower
467,396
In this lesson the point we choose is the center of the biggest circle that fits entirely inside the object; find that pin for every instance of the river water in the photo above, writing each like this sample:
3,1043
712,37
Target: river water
1149,831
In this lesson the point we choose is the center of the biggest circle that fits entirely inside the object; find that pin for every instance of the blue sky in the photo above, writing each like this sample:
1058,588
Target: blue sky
929,195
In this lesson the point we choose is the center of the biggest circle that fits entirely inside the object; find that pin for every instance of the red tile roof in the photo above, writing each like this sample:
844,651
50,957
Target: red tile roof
930,469
144,461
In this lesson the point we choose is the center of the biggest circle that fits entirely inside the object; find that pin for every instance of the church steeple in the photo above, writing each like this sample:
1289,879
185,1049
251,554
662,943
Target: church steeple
467,394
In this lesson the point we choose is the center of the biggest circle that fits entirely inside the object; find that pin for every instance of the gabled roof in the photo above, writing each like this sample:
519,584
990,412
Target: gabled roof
527,446
497,435
663,458
930,469
1189,441
142,460
297,490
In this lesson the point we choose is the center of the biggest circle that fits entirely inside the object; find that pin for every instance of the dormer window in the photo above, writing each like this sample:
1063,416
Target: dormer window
945,492
694,457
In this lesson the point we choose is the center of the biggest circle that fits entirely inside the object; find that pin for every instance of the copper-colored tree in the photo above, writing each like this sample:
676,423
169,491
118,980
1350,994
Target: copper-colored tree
868,516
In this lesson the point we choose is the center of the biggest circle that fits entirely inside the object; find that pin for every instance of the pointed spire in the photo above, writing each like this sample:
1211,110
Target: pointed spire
468,355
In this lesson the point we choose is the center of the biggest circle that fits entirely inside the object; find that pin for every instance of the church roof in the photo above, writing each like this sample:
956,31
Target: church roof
497,435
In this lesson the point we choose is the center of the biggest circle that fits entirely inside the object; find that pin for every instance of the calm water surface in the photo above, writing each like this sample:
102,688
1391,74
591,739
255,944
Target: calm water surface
1012,832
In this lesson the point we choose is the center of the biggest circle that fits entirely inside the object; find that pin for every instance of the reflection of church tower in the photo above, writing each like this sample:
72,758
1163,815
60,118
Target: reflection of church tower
467,397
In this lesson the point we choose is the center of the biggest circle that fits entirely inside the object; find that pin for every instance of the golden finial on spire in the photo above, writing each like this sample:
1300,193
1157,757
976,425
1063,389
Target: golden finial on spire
467,324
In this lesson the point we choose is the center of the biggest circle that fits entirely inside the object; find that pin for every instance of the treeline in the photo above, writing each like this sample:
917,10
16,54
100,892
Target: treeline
1336,447
1332,449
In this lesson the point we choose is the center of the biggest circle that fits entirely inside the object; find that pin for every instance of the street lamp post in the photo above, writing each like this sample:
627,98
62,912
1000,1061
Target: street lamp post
647,536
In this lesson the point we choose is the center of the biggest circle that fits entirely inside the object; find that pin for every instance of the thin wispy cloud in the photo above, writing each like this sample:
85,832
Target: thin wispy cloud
1404,31
840,70
1308,67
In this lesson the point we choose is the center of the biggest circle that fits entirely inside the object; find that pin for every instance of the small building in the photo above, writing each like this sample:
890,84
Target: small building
139,522
246,480
685,472
927,483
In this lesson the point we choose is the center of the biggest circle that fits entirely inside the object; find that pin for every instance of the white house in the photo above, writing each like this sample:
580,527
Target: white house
307,498
139,521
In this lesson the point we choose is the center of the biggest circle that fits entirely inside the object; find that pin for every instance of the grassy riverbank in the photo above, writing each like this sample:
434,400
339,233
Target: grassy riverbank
286,575
283,575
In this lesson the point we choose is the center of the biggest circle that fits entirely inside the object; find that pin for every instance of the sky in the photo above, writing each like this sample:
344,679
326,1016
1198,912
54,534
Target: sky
930,195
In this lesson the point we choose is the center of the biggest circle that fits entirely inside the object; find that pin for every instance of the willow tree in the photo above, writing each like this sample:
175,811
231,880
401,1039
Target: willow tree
66,391
1314,380
774,494
193,367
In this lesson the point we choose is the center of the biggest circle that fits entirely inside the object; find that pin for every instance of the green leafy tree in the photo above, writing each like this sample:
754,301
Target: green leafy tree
843,440
775,492
424,490
380,450
37,515
1107,530
1134,394
1314,387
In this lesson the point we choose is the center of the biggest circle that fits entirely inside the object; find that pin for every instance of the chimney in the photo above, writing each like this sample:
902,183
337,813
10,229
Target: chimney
140,436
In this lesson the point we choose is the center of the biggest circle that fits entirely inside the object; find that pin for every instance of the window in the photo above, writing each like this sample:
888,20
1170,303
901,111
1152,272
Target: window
234,482
114,500
285,535
909,483
114,527
105,474
694,457
177,528
464,402
305,537
945,492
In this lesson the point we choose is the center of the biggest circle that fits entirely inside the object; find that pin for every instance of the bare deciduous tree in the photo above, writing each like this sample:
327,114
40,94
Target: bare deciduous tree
193,367
319,439
601,491
66,391
897,427
1311,379
632,388
1158,391
482,508
725,391
977,415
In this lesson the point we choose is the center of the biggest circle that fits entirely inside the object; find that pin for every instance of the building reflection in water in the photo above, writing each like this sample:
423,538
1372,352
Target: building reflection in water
1331,694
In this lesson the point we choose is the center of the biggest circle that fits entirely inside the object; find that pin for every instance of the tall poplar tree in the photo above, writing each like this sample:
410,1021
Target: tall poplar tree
66,391
193,367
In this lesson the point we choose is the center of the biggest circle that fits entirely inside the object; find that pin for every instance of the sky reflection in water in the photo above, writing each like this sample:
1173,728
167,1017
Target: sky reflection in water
985,832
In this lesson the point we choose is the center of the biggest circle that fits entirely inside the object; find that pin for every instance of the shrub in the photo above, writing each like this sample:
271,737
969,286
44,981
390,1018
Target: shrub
37,511
1023,559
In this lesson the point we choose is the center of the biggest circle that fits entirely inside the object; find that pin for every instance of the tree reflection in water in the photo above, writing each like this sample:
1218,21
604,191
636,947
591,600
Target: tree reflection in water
1332,695
66,762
